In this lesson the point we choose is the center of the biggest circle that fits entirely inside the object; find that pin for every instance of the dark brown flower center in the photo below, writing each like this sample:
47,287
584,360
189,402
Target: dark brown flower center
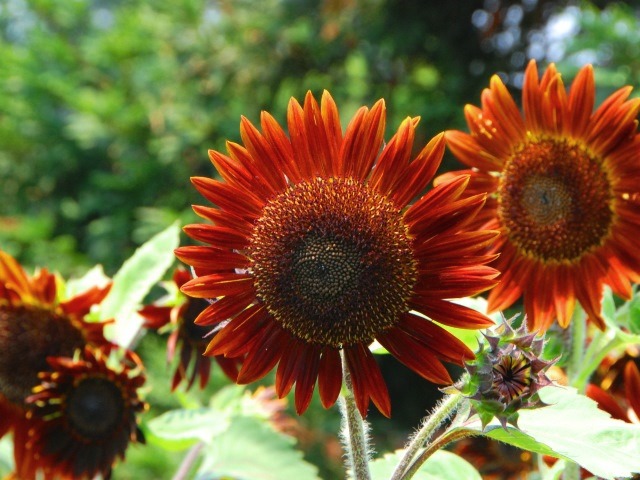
333,261
29,335
555,200
512,377
94,408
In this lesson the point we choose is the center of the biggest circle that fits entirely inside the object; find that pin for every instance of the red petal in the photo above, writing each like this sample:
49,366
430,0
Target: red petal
225,308
285,374
263,356
306,375
632,386
449,313
606,402
415,355
218,285
394,158
329,376
362,141
420,172
367,380
221,237
211,258
441,342
234,339
229,197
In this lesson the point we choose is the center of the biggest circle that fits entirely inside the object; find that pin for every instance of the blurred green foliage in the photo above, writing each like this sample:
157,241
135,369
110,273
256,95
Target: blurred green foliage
107,108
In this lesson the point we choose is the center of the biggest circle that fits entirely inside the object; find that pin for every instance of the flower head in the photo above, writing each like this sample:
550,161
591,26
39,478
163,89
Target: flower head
180,315
86,411
506,374
563,184
313,249
36,324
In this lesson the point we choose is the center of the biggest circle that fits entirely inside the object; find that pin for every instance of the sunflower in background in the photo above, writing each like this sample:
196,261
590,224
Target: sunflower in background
86,407
181,315
563,183
314,250
35,324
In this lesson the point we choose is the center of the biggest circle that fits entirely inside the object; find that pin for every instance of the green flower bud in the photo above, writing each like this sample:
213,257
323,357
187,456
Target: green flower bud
506,374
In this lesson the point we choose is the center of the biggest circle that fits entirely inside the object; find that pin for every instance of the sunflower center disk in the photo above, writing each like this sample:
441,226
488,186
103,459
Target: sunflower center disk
27,337
511,377
94,408
333,262
555,201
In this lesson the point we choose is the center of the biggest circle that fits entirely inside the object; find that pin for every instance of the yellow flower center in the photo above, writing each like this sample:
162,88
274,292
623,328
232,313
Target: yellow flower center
333,261
555,200
29,335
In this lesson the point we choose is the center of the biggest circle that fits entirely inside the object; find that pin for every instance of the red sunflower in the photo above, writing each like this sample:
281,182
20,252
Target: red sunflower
181,316
314,249
563,184
34,325
87,409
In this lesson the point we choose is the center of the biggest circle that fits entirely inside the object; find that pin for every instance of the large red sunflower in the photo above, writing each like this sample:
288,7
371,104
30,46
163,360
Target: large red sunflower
180,314
314,249
564,185
86,408
34,325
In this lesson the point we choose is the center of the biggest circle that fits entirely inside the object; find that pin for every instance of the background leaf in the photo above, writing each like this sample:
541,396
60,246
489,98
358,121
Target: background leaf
442,465
134,280
250,449
181,428
573,427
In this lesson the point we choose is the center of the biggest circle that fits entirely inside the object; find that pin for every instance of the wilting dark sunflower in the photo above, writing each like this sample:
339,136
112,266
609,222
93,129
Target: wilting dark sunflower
34,325
563,184
314,249
180,316
87,409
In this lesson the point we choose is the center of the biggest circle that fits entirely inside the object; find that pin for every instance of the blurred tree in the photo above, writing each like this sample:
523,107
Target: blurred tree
107,108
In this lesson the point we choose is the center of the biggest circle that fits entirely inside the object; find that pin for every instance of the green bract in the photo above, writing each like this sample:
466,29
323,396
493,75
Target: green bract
505,375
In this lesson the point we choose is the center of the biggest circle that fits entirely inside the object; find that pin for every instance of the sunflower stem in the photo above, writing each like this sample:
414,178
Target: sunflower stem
442,441
354,430
447,407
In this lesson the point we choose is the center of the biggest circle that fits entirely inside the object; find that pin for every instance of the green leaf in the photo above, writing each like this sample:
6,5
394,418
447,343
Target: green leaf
144,269
181,428
93,278
442,465
250,449
573,427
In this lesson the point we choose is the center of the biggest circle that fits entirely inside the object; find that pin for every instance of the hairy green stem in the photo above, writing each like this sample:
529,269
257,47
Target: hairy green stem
354,430
439,443
447,406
